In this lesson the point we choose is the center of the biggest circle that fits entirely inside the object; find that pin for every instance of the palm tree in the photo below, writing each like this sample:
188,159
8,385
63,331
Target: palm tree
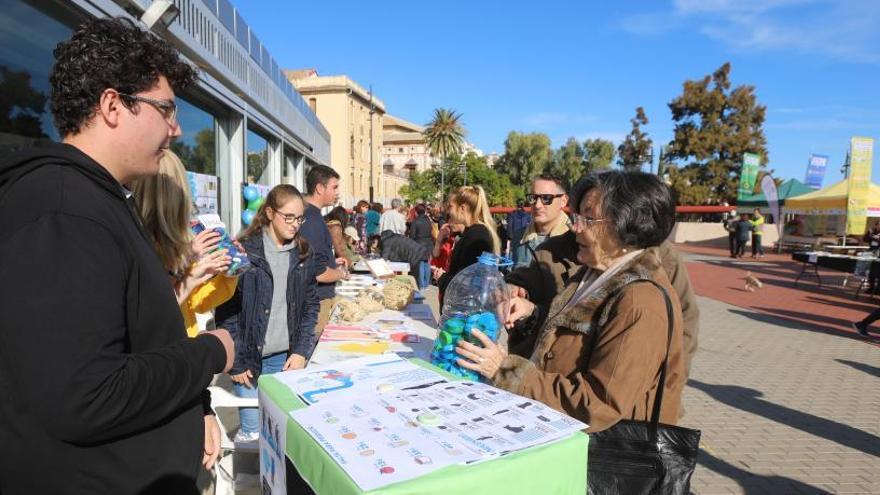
444,135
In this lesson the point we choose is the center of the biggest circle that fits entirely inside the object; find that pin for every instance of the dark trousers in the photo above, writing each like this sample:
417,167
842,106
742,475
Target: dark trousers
741,246
731,240
871,318
757,248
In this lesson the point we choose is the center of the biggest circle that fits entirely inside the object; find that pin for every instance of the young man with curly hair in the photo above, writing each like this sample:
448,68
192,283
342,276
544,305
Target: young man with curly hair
102,391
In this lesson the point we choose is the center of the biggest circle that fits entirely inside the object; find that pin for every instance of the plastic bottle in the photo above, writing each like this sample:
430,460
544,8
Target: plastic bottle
240,262
476,297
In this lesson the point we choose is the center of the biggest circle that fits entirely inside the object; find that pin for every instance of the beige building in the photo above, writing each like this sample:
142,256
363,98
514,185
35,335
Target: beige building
404,148
350,114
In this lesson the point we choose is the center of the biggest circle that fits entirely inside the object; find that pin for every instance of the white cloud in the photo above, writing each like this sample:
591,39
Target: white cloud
845,30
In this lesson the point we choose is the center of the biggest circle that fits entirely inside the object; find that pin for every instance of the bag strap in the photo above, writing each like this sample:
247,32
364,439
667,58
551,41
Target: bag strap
658,398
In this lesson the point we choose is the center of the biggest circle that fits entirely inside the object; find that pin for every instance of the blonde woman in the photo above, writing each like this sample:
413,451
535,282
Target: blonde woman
467,206
197,274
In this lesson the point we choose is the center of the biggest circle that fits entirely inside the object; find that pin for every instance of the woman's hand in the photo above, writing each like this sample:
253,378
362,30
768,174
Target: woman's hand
517,291
208,266
212,442
294,362
204,242
484,360
243,378
437,272
519,309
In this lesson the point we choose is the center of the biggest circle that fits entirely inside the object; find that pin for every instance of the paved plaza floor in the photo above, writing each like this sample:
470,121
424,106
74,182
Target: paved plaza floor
786,395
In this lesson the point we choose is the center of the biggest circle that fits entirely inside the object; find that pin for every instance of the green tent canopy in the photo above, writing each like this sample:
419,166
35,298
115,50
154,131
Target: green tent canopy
788,189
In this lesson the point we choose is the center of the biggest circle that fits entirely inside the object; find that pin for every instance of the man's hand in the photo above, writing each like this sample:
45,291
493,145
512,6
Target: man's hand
243,378
294,362
212,441
228,345
342,262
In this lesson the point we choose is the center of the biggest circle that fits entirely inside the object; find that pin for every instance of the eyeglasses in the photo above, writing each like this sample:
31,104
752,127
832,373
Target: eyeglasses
290,218
584,221
168,109
545,198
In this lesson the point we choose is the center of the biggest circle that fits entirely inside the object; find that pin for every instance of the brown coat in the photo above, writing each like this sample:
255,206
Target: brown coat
556,262
599,361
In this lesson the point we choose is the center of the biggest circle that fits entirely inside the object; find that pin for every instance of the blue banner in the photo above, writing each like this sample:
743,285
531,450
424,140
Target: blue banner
816,170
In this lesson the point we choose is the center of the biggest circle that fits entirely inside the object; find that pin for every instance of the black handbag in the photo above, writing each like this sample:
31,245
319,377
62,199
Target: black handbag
636,457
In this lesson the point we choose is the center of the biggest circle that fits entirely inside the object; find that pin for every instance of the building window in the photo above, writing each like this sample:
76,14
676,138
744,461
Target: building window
196,146
313,104
400,150
27,40
257,171
351,146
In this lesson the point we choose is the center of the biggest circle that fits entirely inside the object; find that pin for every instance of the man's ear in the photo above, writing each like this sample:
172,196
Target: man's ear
564,200
110,107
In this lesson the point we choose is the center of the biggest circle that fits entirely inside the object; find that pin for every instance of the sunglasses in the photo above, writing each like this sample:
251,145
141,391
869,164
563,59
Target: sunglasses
545,198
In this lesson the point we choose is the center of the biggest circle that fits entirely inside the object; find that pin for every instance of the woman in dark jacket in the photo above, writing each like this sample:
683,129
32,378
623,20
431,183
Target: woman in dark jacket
467,206
421,230
273,313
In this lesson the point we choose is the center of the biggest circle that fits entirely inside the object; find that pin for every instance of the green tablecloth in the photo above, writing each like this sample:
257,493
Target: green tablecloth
559,467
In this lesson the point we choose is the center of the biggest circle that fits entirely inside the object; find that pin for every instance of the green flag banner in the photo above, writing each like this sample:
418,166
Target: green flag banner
749,175
861,155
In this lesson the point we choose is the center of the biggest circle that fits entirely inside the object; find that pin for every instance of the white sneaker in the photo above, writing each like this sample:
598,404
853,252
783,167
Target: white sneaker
244,437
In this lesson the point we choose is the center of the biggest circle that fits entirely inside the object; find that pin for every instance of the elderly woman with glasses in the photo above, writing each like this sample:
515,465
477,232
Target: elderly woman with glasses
596,351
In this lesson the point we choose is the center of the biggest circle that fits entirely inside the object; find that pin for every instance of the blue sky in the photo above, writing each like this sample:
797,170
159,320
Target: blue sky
580,68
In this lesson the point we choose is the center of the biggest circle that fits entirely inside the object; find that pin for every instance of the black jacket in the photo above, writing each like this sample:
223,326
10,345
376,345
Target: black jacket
396,247
475,240
421,231
101,388
246,314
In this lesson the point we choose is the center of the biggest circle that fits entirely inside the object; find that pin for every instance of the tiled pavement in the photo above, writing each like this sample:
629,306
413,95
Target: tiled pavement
787,397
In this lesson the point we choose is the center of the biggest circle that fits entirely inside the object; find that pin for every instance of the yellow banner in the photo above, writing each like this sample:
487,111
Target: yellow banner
861,154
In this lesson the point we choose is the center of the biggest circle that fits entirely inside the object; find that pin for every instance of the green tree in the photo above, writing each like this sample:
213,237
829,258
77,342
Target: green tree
424,186
714,127
636,147
21,106
525,156
568,161
598,154
444,135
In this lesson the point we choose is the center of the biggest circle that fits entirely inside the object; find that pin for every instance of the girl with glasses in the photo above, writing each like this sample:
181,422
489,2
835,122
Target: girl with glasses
273,313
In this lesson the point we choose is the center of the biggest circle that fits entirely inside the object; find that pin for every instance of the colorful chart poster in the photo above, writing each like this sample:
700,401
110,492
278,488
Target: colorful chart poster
816,170
203,191
379,440
749,175
369,375
858,185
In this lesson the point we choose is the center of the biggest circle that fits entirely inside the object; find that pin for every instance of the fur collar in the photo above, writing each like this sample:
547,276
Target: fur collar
583,316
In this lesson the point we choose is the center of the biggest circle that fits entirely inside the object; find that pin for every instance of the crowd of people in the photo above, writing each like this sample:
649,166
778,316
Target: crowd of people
104,371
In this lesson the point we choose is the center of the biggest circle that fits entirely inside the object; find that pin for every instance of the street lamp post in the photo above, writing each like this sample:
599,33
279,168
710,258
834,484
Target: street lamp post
372,111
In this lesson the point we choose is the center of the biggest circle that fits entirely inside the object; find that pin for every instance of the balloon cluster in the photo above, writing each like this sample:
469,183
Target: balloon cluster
254,201
457,327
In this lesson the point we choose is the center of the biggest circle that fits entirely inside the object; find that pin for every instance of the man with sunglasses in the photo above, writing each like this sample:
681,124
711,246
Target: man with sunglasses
548,200
102,390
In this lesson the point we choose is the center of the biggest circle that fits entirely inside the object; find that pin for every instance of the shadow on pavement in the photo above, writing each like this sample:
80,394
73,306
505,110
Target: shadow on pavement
867,368
749,400
752,483
804,321
857,305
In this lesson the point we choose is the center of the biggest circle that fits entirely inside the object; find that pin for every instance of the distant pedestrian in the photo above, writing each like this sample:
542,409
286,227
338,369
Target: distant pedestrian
393,219
517,221
757,233
421,230
742,229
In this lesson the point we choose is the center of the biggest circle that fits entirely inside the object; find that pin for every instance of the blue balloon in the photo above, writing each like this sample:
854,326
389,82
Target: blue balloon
251,193
247,216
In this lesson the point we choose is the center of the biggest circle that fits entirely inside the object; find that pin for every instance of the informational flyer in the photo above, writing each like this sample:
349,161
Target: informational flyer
387,438
365,376
273,440
203,191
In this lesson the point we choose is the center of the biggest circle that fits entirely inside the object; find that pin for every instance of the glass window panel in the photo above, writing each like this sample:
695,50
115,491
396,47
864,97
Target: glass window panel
257,171
227,16
27,39
196,146
211,4
255,47
242,32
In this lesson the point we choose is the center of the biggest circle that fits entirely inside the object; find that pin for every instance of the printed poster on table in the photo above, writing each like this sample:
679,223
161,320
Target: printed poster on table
387,438
203,191
858,185
361,376
273,442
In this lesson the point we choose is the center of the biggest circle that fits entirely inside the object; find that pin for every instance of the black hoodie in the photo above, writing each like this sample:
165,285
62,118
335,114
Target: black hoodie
100,389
